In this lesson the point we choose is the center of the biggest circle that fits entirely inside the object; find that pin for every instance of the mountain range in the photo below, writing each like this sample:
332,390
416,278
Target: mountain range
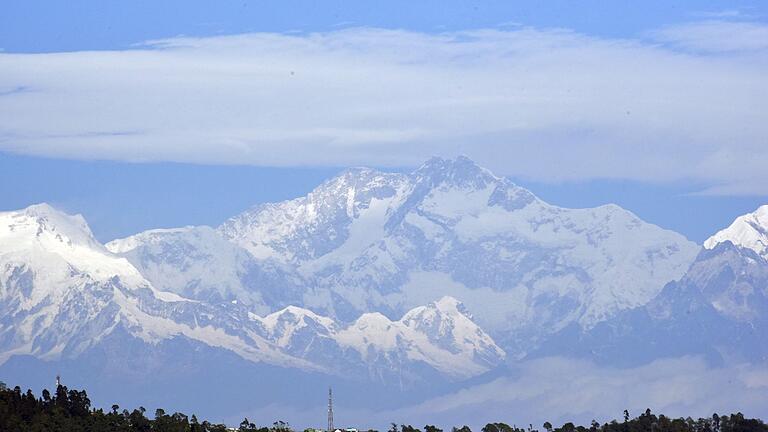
371,277
387,242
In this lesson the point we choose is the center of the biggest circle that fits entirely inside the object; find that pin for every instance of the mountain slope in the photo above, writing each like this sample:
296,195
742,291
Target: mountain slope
62,294
197,263
719,310
748,231
370,241
380,348
367,241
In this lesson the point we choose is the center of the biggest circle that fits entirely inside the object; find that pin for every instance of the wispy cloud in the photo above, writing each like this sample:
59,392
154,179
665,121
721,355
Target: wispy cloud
542,104
12,91
561,390
723,14
716,36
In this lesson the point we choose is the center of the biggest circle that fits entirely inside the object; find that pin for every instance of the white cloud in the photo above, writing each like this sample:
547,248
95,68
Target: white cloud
540,104
716,36
561,390
724,14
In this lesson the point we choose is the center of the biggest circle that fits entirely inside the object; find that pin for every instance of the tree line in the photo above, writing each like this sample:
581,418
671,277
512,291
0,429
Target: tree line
70,411
646,422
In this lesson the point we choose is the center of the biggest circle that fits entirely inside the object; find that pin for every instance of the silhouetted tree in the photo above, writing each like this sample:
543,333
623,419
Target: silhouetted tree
70,411
409,428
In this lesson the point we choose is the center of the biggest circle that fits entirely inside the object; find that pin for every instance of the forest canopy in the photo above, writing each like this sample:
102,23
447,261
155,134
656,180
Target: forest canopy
71,411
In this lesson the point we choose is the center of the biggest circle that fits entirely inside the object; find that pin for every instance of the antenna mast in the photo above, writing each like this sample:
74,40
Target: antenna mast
330,410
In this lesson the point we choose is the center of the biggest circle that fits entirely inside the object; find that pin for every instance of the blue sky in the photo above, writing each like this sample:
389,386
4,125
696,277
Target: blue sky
657,106
119,199
46,26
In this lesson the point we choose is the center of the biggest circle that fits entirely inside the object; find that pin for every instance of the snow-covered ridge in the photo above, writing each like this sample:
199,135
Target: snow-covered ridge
46,237
196,262
62,293
311,226
365,237
375,244
717,310
748,231
152,236
456,346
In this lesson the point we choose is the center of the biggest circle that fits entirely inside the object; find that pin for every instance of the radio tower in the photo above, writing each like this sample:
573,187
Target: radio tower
330,410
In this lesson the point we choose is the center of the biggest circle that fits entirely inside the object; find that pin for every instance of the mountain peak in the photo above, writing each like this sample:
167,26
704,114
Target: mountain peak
357,177
38,219
448,324
748,231
40,208
47,211
460,160
448,302
375,319
293,317
450,305
461,171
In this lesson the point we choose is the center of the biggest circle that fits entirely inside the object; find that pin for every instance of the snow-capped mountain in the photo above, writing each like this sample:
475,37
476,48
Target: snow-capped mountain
718,309
386,242
365,280
440,334
62,293
748,231
197,263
